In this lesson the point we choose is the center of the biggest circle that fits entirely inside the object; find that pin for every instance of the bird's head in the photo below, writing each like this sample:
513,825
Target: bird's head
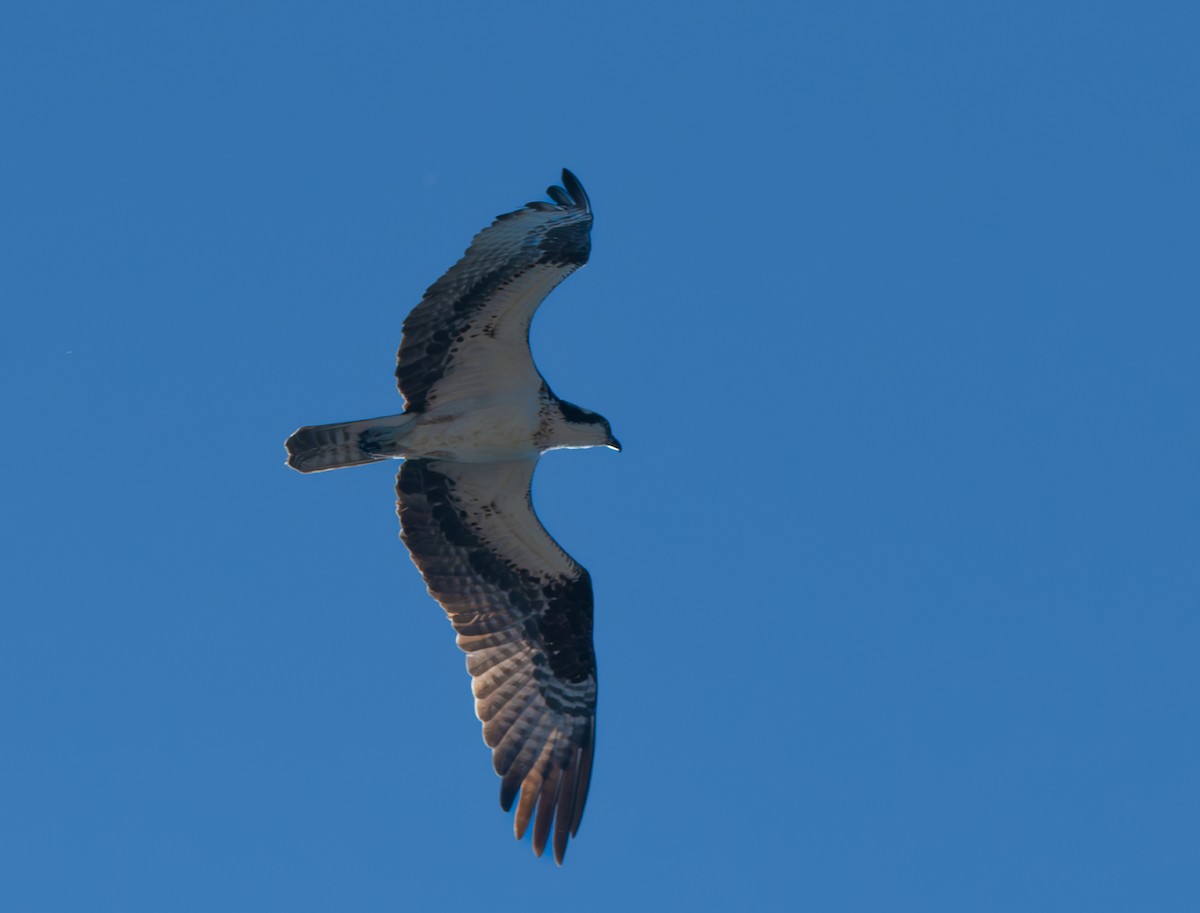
587,428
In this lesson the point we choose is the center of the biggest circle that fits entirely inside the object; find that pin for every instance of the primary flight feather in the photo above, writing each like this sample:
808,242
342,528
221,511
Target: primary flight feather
477,417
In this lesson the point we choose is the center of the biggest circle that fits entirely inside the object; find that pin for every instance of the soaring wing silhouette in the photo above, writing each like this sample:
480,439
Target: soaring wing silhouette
470,333
522,608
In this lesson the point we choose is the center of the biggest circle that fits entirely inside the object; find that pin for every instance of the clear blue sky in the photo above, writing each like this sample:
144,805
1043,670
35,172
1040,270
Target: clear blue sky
894,308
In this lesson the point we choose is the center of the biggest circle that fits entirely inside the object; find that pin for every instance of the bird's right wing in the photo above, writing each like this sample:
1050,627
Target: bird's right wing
470,333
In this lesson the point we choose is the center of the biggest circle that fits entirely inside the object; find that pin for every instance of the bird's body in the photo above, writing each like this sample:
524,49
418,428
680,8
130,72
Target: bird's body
478,416
478,429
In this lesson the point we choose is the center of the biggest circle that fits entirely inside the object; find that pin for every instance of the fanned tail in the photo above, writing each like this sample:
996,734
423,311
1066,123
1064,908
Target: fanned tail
316,448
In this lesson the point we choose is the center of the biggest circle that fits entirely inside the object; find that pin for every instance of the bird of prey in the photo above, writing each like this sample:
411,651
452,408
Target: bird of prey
477,417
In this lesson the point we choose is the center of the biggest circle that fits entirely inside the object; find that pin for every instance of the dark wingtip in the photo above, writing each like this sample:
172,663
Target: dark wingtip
575,189
573,196
509,788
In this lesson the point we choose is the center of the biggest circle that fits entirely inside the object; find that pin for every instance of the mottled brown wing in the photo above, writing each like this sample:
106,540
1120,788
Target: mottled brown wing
522,608
470,333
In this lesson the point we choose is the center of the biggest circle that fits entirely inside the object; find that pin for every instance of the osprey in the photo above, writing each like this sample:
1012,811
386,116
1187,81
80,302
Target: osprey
477,417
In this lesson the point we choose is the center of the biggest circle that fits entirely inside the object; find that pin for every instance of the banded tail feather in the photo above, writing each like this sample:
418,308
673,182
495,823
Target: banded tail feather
316,448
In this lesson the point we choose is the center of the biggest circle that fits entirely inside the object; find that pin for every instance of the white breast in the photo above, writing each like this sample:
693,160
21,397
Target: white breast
478,430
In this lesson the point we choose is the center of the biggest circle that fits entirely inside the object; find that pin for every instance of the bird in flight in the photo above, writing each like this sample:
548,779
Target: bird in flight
477,416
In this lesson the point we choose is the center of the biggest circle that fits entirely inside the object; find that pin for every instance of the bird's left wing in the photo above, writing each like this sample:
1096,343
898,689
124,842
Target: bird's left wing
522,608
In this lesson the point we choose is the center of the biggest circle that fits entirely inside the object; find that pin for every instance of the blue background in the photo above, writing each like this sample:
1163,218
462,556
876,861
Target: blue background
894,308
